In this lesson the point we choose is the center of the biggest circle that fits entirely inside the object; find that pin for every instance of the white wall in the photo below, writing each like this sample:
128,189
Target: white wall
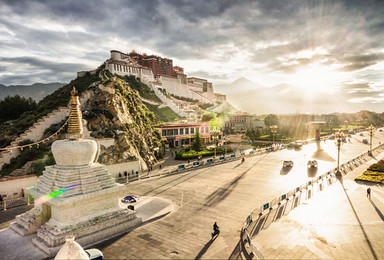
115,169
13,185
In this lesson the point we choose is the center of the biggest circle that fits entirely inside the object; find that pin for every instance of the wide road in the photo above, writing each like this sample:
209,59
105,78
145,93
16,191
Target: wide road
225,193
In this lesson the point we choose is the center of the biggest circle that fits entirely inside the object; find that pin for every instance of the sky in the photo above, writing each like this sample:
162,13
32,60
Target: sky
332,47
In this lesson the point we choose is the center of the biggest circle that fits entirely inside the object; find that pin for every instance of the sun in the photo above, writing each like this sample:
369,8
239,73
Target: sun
315,79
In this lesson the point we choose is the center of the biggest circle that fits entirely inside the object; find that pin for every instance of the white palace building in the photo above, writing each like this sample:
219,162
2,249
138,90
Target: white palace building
160,73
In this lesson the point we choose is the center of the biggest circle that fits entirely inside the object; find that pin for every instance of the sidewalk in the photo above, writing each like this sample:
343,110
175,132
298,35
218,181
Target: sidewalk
338,223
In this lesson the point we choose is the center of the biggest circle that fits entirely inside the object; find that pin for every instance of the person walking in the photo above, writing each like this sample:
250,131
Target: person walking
369,193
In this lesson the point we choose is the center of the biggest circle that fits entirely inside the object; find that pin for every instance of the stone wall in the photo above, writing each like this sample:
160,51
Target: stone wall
11,187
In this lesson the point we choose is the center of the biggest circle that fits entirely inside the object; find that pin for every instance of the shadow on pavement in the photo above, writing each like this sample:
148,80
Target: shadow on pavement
358,220
377,210
205,248
285,170
222,192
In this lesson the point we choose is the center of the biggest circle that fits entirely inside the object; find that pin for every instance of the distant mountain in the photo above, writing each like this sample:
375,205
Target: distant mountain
36,91
241,84
283,99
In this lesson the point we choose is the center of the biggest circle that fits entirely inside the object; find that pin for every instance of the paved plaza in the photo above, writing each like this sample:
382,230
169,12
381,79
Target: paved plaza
332,225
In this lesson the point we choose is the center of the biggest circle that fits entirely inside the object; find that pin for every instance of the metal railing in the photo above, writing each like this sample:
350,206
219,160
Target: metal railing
15,202
261,218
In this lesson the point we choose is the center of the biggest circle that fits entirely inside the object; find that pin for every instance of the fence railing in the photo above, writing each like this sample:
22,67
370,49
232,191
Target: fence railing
15,202
262,217
135,176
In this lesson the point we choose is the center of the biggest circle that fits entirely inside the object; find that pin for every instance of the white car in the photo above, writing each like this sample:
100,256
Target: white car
312,164
287,164
94,254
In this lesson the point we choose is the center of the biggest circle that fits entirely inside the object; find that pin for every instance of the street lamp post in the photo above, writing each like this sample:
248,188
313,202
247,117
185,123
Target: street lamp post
273,131
215,134
370,129
339,137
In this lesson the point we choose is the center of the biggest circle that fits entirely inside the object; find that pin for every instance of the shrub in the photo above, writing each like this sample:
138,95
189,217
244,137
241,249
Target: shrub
189,153
376,167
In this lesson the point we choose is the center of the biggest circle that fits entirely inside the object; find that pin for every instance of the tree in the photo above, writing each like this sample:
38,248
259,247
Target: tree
13,107
271,119
197,143
208,117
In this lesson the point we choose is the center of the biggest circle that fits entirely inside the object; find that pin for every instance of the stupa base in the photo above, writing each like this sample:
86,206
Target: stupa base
50,240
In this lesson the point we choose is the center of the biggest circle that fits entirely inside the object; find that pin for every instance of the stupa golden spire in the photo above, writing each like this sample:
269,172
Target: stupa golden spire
75,126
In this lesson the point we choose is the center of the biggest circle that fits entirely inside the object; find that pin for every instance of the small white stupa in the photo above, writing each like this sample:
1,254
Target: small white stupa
71,250
77,196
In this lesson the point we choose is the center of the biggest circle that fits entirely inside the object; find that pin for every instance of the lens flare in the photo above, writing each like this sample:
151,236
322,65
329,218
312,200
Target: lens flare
54,194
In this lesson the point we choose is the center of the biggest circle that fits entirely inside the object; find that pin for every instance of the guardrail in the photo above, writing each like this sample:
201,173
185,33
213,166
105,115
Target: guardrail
130,177
273,210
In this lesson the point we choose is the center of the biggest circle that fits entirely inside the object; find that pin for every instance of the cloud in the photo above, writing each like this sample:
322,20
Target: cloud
263,40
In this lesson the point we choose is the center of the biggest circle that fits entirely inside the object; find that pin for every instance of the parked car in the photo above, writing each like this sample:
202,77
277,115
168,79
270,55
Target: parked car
94,254
381,130
365,141
291,145
361,134
298,144
130,199
287,164
312,164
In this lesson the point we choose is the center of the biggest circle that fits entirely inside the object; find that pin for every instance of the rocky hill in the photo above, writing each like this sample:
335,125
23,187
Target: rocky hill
114,111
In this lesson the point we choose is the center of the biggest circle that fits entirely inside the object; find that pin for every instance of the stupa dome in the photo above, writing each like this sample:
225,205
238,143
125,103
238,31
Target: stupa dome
74,152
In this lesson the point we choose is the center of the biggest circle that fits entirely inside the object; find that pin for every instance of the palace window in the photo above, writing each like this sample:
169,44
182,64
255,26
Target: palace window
181,131
192,130
163,132
186,131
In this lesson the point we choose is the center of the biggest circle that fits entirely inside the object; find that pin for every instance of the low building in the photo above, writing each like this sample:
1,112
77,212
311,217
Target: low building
183,134
242,121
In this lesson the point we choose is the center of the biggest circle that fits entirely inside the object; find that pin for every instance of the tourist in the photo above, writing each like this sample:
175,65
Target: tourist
188,161
1,199
22,193
369,193
160,166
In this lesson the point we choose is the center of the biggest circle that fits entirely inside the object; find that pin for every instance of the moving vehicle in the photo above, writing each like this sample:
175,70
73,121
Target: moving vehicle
312,164
130,199
381,130
361,134
287,164
365,141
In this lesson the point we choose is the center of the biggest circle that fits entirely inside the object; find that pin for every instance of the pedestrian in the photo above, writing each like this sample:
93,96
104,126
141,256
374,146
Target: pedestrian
160,166
369,193
188,161
22,193
1,198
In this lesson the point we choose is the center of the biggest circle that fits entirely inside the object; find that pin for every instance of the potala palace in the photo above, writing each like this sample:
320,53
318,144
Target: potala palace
160,74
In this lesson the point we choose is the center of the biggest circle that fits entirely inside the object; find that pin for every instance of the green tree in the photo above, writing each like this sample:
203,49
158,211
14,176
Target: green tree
271,119
197,143
208,117
13,107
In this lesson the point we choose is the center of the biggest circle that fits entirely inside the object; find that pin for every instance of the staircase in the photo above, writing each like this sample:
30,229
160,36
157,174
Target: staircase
36,131
164,99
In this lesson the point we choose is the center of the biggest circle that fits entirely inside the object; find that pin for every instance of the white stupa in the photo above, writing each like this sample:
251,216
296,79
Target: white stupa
77,196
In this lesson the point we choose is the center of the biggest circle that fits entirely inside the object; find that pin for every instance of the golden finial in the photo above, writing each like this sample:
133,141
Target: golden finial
75,126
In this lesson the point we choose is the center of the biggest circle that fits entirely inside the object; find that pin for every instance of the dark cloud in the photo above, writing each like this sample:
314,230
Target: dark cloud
357,62
30,70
